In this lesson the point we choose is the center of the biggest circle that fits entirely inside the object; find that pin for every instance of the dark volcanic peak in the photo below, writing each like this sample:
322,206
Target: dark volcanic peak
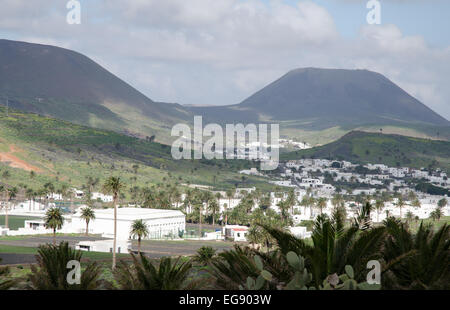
359,95
54,72
68,85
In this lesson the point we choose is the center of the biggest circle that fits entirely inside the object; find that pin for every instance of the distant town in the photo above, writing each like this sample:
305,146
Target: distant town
318,186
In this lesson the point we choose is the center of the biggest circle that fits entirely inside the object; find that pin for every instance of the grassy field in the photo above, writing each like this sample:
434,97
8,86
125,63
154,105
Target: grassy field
31,250
15,222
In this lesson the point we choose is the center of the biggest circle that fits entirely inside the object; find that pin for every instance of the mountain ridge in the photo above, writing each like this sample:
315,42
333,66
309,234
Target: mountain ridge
68,85
310,104
306,93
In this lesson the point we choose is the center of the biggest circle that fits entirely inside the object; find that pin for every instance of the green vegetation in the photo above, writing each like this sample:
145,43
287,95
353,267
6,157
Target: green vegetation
45,150
334,259
52,272
100,256
140,230
15,222
67,85
391,150
54,220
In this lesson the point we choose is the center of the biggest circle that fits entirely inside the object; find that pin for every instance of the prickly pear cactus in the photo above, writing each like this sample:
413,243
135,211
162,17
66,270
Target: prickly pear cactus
301,276
346,282
260,281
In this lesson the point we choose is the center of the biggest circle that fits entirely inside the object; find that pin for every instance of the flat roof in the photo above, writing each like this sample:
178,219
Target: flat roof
132,214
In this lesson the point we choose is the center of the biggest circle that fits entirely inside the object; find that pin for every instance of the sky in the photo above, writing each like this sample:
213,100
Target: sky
217,52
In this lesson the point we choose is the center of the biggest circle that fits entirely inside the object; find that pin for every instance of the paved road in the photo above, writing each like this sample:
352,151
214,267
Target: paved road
152,248
35,241
158,249
14,259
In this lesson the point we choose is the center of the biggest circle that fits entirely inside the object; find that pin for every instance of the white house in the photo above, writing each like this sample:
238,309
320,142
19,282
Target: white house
252,171
122,246
161,223
236,232
28,206
300,232
102,197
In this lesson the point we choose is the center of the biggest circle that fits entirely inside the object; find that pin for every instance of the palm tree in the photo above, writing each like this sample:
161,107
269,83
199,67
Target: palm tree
362,220
54,220
29,194
412,196
230,194
5,282
379,206
400,204
176,195
43,195
204,255
311,203
87,214
10,194
3,192
91,183
333,247
214,208
284,207
291,200
436,214
50,189
51,271
207,197
187,202
198,205
321,203
144,275
416,261
416,203
233,267
409,217
338,201
139,229
304,203
113,186
442,203
64,191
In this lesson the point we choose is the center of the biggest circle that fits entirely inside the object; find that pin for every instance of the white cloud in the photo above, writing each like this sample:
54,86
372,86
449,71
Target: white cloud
220,51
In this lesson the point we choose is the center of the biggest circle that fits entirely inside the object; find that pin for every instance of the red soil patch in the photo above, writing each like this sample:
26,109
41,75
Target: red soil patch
13,161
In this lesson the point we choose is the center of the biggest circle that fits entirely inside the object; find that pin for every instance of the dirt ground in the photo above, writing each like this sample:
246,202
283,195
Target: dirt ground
14,161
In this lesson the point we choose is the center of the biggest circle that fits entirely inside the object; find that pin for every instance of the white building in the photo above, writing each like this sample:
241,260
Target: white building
161,223
311,183
102,197
122,246
300,232
252,171
28,206
236,232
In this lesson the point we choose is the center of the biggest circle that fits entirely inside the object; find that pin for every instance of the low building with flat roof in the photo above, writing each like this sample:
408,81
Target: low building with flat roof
161,223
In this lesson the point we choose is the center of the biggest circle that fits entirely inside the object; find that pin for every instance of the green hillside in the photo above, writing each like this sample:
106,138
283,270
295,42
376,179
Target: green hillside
319,106
62,152
392,150
67,85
